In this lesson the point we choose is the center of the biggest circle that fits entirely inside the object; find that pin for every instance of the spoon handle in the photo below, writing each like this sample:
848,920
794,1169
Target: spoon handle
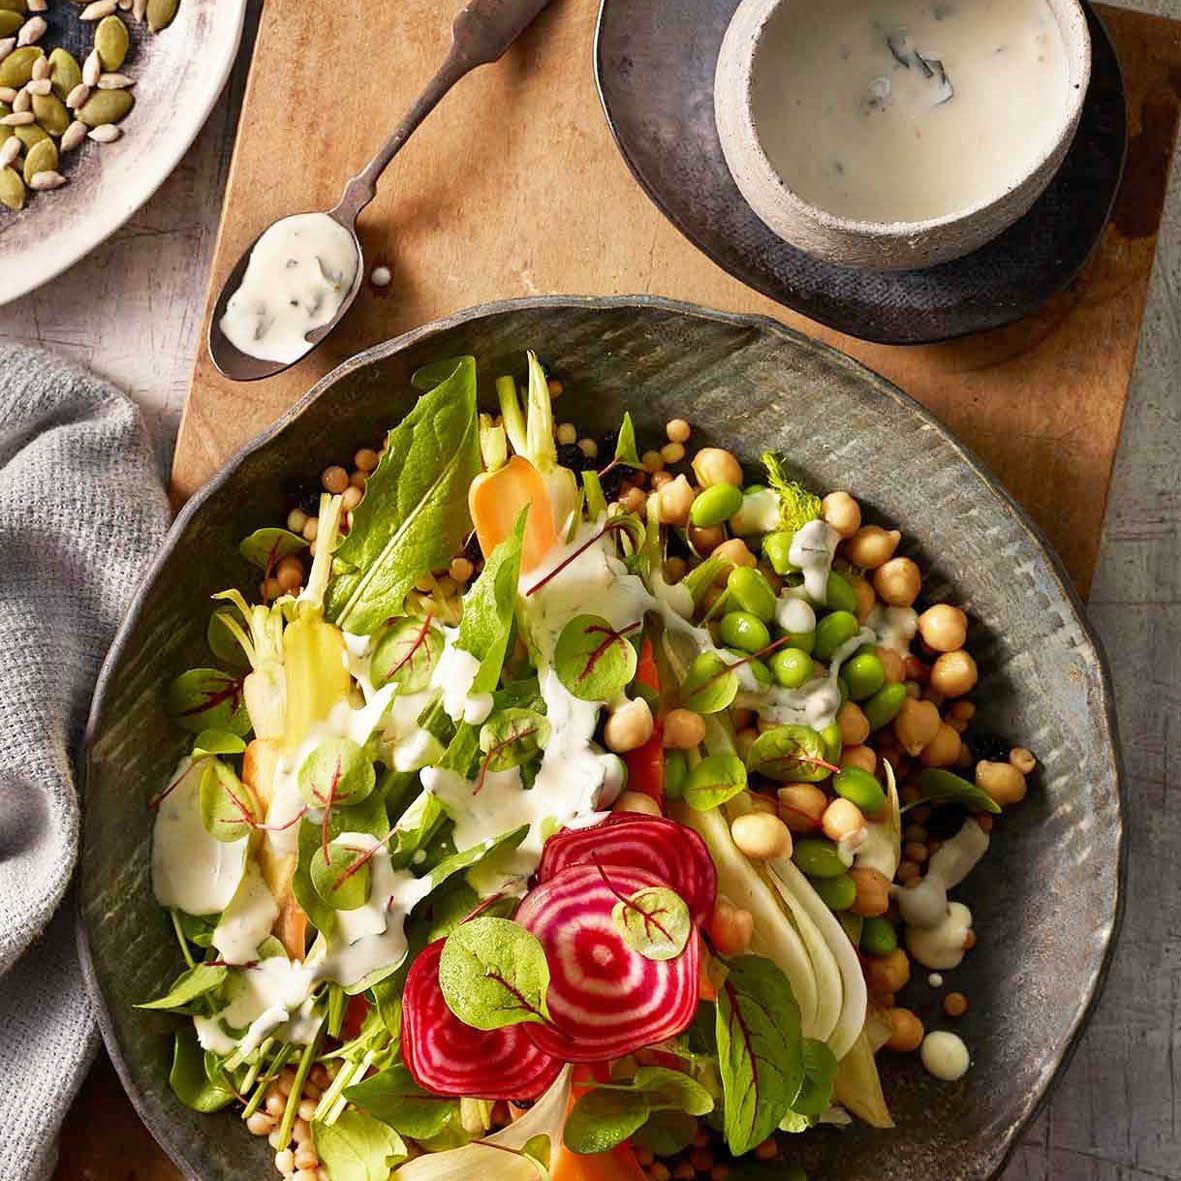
480,34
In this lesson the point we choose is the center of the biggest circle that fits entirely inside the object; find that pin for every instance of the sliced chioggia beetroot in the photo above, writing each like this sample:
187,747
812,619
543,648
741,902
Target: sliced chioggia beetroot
605,1000
447,1057
631,840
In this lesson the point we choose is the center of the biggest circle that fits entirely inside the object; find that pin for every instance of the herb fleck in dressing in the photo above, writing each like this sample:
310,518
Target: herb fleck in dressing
908,110
299,273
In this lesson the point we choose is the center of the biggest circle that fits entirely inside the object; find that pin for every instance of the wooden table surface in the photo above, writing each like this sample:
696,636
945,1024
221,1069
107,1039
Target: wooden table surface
132,311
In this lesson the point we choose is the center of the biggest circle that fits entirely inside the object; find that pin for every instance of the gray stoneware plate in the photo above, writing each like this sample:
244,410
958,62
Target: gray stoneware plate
748,384
655,62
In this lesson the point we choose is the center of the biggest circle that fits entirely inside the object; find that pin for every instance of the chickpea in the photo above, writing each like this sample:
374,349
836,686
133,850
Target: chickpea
285,1161
629,726
1023,760
762,803
305,1159
916,670
678,430
589,448
955,1004
842,818
863,757
761,836
705,541
334,479
887,973
296,520
898,582
842,512
672,452
652,461
892,664
801,806
270,589
943,749
730,928
366,459
358,480
916,725
1002,781
915,851
352,497
969,939
853,723
461,570
289,573
954,673
311,528
906,1031
866,596
659,479
873,892
683,729
555,388
713,465
634,501
737,551
637,801
943,627
871,546
744,740
260,1123
909,871
675,569
676,499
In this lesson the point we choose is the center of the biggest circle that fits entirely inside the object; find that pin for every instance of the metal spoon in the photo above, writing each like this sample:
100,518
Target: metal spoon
480,34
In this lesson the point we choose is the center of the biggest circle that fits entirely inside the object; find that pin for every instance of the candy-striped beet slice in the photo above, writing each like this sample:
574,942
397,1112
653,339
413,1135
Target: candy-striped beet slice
447,1057
667,850
605,1000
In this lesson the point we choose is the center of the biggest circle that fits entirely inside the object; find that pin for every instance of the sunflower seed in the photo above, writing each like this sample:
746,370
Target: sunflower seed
7,94
7,45
23,100
38,86
97,10
124,5
46,180
9,150
38,5
138,8
105,133
32,31
77,96
42,68
114,82
73,136
92,67
18,119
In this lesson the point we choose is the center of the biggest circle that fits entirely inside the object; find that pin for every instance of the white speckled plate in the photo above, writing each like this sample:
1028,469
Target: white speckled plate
178,74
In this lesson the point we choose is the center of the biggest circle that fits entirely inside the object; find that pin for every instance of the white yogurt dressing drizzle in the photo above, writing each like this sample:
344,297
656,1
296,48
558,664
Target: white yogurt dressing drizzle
247,920
272,993
812,550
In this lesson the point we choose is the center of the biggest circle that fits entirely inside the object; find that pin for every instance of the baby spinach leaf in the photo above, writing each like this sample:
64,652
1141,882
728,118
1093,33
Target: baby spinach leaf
626,451
512,737
197,929
357,1147
338,771
207,699
343,880
603,1119
654,922
414,516
227,810
189,987
937,784
393,1097
820,1069
790,754
667,1132
593,660
672,1090
710,685
192,1083
387,998
713,781
217,742
266,548
406,653
493,973
458,862
760,1052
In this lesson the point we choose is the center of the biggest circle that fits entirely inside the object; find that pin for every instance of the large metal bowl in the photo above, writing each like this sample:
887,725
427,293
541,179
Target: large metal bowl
1047,898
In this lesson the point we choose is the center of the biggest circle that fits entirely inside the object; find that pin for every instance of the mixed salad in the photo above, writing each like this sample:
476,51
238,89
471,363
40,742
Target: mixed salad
559,810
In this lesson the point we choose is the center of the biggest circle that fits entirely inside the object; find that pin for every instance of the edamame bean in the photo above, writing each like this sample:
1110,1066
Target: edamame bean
676,771
864,674
878,936
882,708
791,667
818,858
839,594
861,788
776,547
833,631
752,592
715,505
741,629
838,893
805,641
831,737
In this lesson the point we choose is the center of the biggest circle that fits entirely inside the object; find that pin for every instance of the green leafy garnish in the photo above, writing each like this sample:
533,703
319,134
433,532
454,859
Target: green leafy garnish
393,1097
820,1070
458,862
760,1051
414,516
593,660
654,922
710,685
937,784
667,1132
357,1147
266,548
797,506
406,653
790,754
188,988
493,973
337,771
208,699
603,1119
715,780
512,737
626,452
221,640
343,880
195,1077
217,742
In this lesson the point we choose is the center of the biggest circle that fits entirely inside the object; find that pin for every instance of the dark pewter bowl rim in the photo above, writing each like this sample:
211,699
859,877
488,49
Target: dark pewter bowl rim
759,279
160,1128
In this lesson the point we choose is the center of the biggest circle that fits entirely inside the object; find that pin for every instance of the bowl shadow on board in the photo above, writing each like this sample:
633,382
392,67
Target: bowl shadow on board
747,383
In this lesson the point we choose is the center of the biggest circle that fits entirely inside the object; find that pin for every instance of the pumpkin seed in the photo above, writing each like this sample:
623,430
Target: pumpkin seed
12,189
112,40
42,157
14,6
31,134
17,68
64,72
106,106
9,22
161,13
51,113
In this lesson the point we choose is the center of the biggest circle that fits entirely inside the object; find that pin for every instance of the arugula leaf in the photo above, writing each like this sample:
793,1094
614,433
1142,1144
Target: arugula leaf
393,1097
626,451
494,973
603,1119
512,737
654,921
414,516
760,1051
937,784
266,548
791,754
710,685
207,699
357,1147
594,661
820,1070
713,781
406,654
189,987
192,1080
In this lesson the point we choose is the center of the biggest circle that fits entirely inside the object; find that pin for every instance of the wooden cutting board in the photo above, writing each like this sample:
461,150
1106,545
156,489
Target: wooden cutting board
514,188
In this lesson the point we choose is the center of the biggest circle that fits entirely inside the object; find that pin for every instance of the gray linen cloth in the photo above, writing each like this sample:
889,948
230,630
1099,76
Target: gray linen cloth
81,511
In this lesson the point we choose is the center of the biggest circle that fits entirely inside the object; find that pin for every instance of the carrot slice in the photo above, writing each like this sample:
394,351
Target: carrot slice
618,1165
495,500
645,765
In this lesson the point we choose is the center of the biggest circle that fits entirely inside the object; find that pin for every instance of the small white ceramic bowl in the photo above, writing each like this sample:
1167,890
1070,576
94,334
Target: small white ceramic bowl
877,245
